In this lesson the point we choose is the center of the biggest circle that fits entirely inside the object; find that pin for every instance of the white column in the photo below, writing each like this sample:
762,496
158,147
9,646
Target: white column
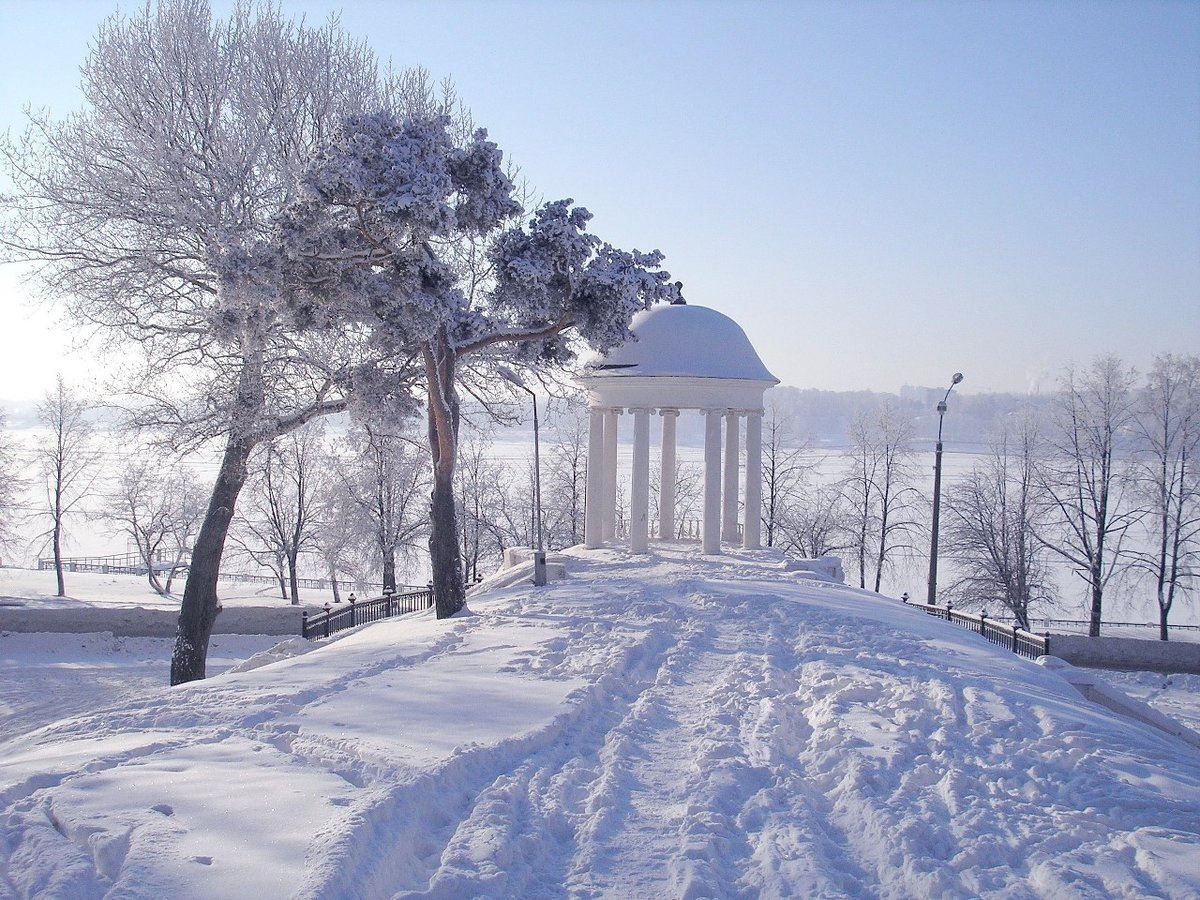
666,485
729,519
711,526
610,473
593,526
639,492
751,539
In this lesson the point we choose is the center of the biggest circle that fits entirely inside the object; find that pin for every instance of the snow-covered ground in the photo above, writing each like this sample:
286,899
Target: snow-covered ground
664,727
38,588
46,677
1176,695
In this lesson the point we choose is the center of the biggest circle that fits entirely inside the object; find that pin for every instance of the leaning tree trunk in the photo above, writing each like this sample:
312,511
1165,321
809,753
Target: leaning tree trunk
198,610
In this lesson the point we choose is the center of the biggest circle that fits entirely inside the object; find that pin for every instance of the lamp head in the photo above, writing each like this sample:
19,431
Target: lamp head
510,376
958,376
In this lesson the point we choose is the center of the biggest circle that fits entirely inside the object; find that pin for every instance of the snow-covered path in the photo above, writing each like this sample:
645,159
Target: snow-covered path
678,727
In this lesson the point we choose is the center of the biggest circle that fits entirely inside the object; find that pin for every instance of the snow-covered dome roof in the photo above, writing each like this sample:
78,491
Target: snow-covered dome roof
679,340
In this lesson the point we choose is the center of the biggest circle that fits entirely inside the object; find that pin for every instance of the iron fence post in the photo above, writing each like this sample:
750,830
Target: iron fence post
304,623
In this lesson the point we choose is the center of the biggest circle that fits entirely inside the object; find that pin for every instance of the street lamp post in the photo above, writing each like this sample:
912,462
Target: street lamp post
539,553
931,597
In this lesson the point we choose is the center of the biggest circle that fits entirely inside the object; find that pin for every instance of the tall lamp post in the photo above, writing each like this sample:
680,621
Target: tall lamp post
937,493
539,553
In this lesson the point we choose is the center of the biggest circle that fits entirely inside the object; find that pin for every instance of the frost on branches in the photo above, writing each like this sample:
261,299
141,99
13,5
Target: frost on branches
416,240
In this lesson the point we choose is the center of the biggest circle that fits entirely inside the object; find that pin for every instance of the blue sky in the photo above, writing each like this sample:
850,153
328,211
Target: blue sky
880,193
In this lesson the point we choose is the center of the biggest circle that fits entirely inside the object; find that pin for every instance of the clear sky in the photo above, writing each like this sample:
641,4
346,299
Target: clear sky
880,193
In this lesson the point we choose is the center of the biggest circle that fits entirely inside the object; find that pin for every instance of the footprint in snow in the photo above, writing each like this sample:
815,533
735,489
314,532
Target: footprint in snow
163,808
203,860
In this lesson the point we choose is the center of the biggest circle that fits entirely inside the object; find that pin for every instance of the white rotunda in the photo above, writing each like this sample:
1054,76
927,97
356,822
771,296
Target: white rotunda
680,357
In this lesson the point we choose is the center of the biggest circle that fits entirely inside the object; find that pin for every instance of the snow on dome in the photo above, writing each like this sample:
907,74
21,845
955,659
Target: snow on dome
680,340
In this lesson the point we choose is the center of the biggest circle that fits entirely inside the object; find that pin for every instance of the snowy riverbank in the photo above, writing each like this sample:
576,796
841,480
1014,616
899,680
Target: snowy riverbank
676,726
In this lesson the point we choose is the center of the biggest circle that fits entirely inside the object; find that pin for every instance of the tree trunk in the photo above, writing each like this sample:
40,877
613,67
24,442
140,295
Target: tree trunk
198,611
293,578
389,569
449,591
58,566
1097,603
333,583
1163,612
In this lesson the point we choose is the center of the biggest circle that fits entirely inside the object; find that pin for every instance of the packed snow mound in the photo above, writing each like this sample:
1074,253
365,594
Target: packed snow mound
656,726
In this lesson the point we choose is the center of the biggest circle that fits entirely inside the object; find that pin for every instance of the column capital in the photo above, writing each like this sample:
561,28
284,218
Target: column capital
749,412
715,411
667,411
641,409
615,410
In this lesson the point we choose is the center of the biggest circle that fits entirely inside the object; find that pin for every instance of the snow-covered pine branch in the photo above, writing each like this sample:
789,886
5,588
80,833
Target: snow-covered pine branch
405,229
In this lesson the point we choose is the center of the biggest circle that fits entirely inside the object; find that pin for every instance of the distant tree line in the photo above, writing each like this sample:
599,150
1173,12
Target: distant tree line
1101,476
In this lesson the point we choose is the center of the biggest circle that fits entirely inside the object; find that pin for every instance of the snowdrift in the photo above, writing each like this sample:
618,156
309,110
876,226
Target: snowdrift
670,726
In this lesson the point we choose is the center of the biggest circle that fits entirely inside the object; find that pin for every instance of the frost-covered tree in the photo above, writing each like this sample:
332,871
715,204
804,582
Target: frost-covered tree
376,242
280,522
383,482
10,486
1168,424
158,509
479,481
880,487
1089,475
816,521
565,476
67,459
995,515
785,469
150,212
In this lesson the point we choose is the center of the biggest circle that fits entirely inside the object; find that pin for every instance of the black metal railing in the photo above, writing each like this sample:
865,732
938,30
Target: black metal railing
1018,640
361,612
115,564
1083,624
133,564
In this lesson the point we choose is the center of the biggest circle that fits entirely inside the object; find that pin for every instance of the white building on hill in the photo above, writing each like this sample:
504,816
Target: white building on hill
680,357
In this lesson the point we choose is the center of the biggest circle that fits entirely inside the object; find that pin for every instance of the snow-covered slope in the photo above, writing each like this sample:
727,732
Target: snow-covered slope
673,727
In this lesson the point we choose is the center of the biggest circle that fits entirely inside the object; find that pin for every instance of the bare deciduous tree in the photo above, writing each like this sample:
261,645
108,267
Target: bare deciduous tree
159,512
785,469
67,459
817,521
281,519
880,488
10,486
1169,427
995,514
478,482
565,476
1088,475
152,211
384,481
